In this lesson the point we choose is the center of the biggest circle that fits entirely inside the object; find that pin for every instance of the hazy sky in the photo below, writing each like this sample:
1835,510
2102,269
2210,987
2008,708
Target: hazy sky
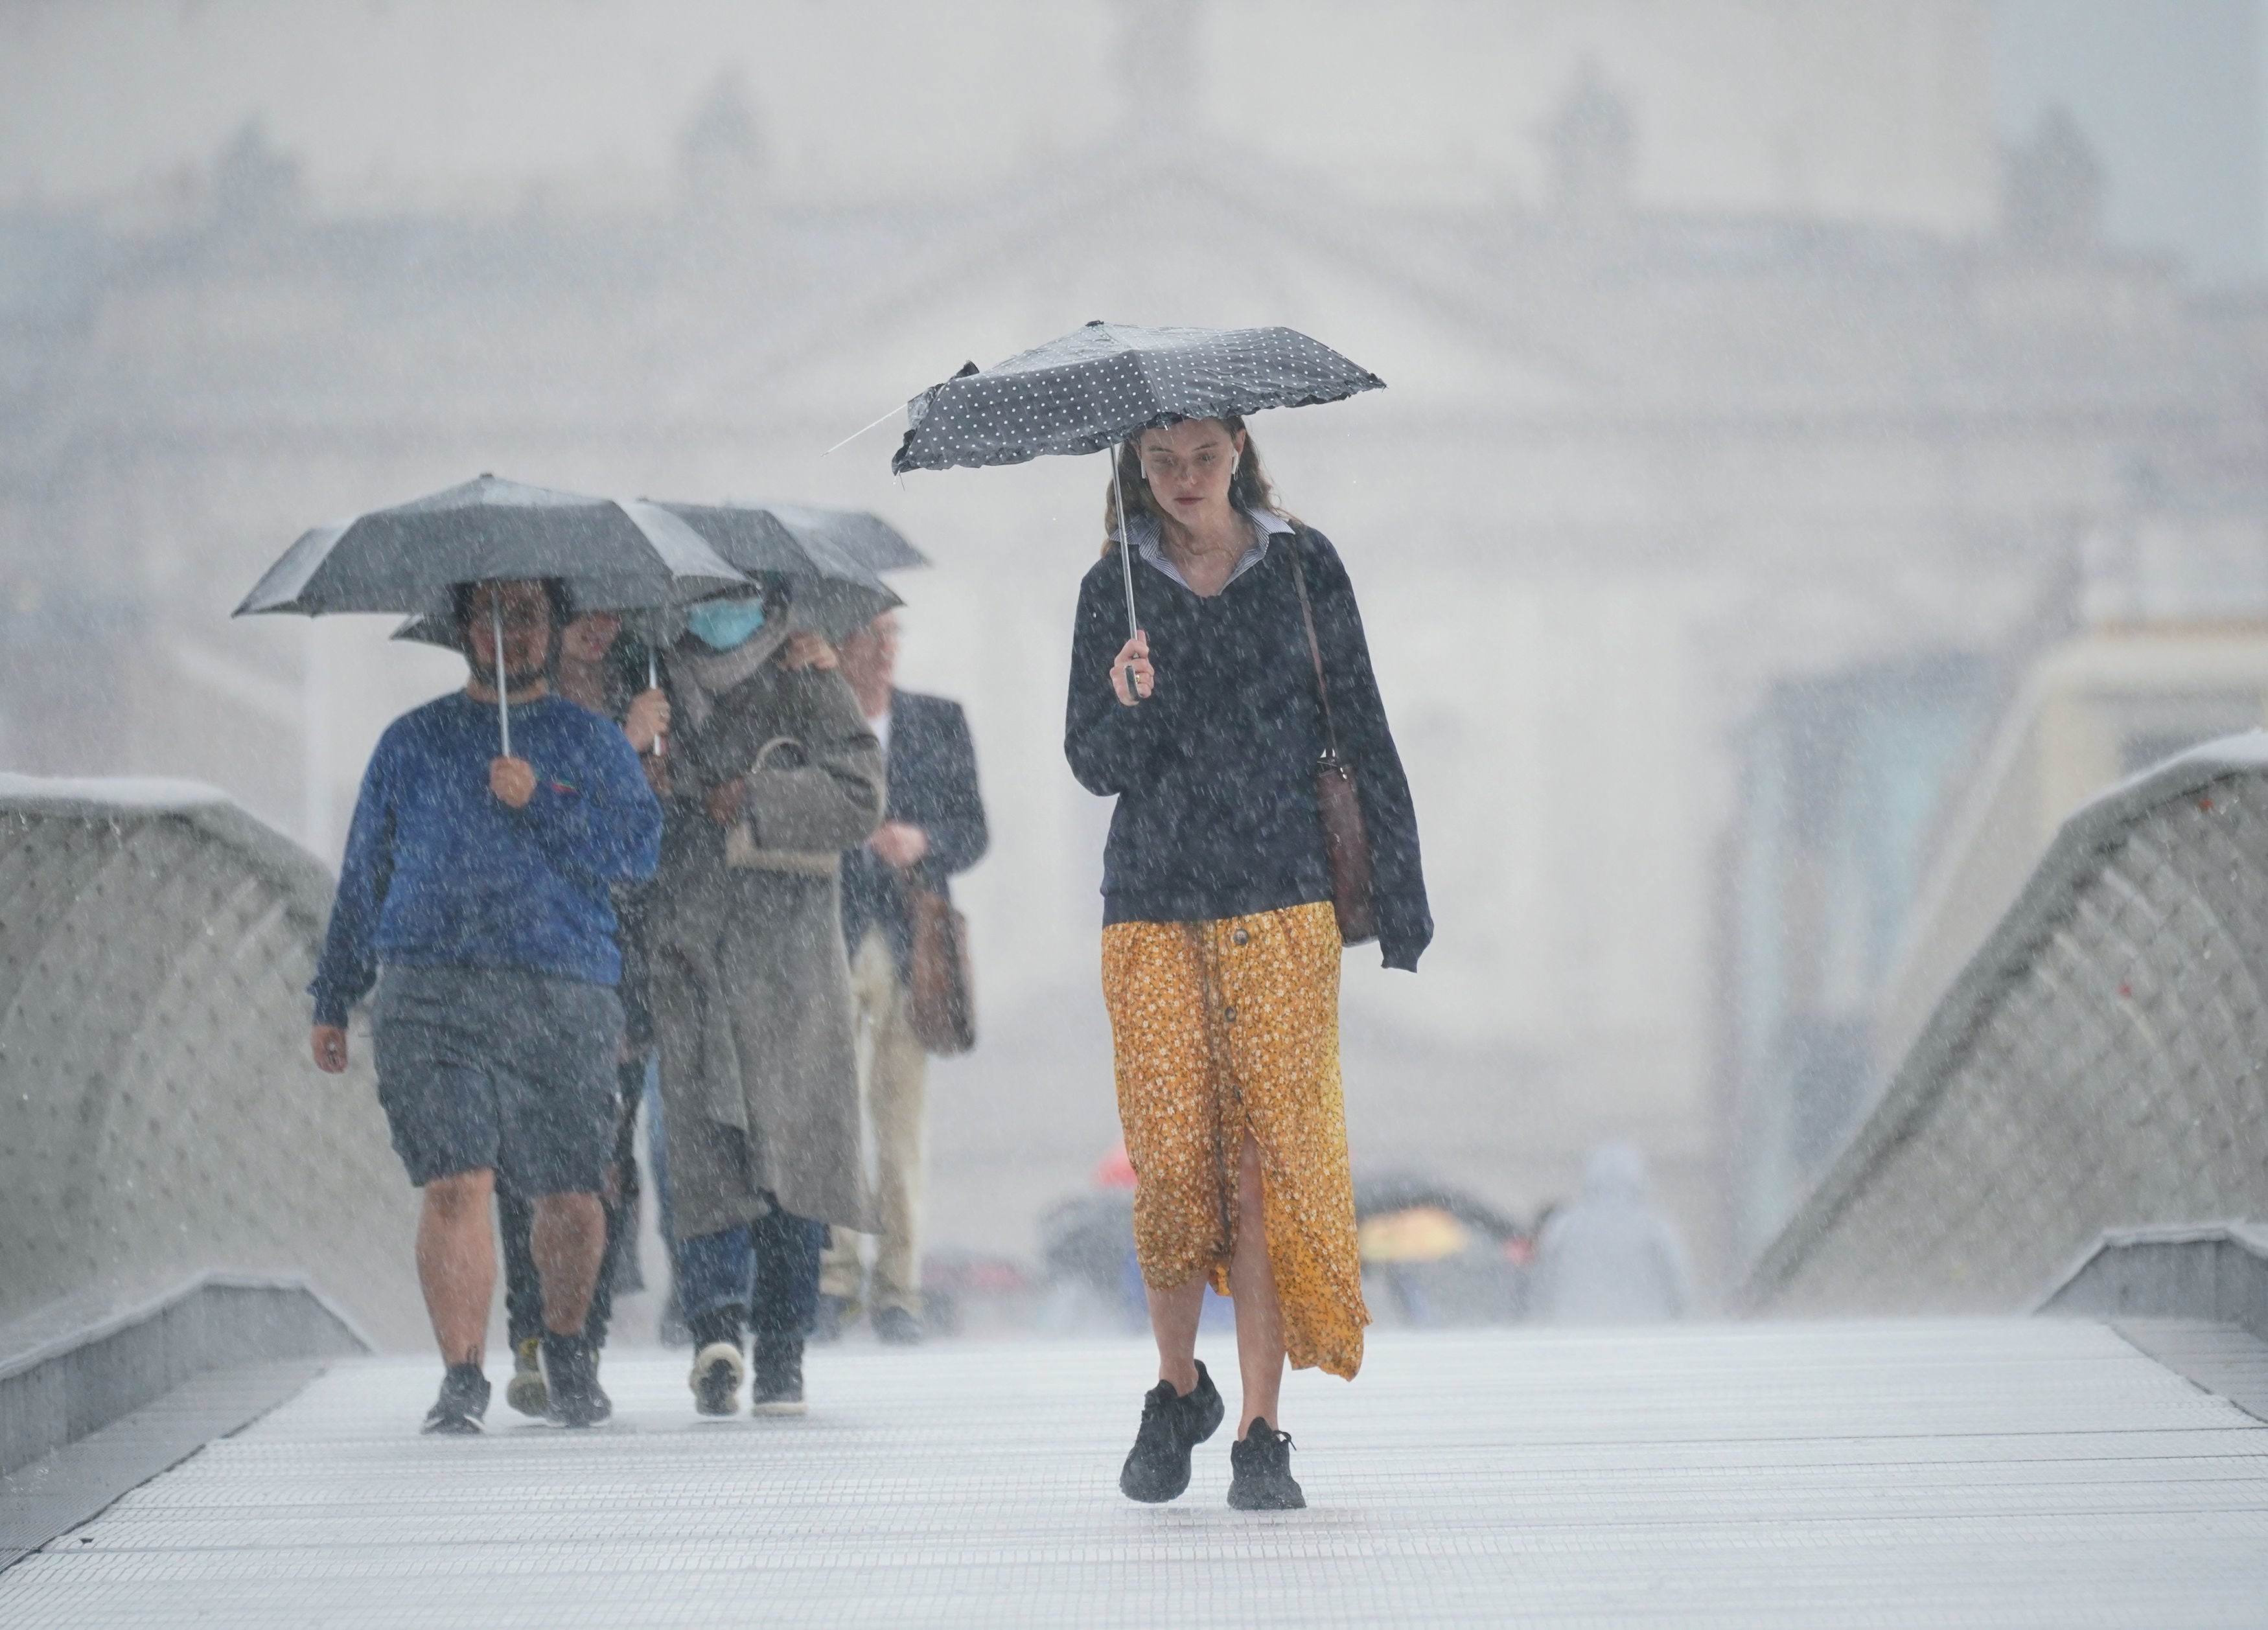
2169,93
2168,90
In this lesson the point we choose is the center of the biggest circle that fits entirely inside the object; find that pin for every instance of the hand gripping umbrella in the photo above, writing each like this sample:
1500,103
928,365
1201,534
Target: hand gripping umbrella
1096,386
409,557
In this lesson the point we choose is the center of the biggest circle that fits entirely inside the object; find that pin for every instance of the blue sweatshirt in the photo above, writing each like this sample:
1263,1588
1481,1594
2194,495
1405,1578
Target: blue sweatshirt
440,872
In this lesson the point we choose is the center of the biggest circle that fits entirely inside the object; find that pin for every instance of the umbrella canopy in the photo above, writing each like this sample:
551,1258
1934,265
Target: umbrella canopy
1097,386
828,592
405,558
865,538
832,590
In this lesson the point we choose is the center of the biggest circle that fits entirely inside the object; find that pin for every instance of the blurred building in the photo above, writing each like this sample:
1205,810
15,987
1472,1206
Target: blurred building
1839,776
1716,350
1888,819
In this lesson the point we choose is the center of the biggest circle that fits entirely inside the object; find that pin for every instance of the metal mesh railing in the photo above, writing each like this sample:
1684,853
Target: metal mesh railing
2095,1065
159,1115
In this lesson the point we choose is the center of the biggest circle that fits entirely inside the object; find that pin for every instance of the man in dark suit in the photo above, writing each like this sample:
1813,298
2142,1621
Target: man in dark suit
932,828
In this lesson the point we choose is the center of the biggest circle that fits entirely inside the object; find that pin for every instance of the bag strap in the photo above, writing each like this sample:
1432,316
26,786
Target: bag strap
1315,648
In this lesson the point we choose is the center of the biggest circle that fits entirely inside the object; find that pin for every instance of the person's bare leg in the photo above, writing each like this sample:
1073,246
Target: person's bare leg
567,1241
1173,1322
1259,1314
456,1262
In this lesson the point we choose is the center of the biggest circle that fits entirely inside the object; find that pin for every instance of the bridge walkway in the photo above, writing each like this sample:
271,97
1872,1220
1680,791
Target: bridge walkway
2035,1473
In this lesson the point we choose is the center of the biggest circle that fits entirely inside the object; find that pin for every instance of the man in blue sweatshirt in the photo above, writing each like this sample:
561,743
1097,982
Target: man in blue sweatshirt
475,895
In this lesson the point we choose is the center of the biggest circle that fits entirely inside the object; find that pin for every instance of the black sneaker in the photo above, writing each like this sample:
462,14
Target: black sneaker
778,1386
897,1326
1260,1471
570,1378
1157,1466
464,1399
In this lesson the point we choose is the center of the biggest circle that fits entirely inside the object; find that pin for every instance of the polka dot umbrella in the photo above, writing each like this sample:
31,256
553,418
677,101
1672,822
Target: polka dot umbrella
1096,386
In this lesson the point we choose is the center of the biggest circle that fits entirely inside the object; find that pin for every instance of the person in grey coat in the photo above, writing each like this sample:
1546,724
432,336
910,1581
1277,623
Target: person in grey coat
773,773
1611,1257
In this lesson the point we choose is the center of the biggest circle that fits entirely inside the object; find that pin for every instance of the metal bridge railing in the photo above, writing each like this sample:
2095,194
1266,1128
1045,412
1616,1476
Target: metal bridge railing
159,1117
2096,1064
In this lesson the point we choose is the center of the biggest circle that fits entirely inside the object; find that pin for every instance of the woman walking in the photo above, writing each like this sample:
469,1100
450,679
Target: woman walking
773,774
1220,947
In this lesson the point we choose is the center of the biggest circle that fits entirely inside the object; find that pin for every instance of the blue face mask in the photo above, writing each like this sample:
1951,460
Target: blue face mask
725,625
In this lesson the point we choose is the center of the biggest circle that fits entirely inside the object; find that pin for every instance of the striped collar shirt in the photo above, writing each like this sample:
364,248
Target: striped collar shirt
1266,526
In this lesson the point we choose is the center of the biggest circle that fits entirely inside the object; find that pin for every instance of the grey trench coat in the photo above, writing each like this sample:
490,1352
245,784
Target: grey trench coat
750,985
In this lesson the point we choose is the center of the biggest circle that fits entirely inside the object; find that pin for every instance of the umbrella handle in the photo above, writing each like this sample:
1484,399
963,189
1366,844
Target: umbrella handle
1125,562
653,683
503,706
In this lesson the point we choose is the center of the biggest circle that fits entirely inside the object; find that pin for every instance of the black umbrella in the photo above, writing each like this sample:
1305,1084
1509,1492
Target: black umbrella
409,557
1096,386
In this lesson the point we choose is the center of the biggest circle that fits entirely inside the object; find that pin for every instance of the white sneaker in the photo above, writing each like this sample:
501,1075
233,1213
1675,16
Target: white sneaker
718,1371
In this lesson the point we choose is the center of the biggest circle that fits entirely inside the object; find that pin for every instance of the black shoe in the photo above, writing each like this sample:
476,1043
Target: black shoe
833,1313
778,1386
1157,1466
1260,1471
897,1326
464,1399
571,1380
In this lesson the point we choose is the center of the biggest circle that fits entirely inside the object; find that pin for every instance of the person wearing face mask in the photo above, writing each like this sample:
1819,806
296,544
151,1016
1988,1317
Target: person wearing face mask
773,773
1221,942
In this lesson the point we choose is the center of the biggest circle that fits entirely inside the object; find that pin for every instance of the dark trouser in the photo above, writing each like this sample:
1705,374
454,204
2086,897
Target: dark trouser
770,1268
523,1287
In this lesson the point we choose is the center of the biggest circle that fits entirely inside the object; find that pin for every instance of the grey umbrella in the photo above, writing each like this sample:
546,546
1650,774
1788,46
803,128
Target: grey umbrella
1096,386
408,558
827,557
830,591
865,538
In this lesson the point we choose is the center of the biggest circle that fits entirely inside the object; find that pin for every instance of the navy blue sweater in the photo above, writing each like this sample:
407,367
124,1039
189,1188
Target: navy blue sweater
1215,775
440,872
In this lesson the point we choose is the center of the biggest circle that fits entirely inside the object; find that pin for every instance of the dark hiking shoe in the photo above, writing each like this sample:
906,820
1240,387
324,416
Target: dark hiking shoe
778,1387
571,1377
1260,1471
1157,1466
718,1371
464,1399
525,1391
897,1326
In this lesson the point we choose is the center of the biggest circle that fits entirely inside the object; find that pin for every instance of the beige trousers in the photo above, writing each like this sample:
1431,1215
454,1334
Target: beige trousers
892,1068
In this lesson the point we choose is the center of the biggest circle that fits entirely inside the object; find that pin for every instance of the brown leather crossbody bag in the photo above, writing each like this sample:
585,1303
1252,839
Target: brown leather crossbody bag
1346,840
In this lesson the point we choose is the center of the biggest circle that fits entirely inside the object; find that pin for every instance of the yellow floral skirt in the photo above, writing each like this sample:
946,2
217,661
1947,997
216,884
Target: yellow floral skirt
1222,1029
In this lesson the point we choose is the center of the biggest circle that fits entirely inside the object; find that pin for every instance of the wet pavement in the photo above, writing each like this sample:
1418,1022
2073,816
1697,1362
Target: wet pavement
1979,1472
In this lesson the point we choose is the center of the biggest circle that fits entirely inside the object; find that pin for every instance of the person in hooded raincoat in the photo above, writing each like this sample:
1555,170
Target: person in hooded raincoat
1611,1257
773,773
1220,944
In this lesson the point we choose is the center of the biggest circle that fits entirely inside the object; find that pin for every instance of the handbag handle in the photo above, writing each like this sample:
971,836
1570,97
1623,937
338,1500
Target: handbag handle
1315,648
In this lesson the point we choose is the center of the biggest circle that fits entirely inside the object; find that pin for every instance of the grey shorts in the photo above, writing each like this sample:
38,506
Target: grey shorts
497,1069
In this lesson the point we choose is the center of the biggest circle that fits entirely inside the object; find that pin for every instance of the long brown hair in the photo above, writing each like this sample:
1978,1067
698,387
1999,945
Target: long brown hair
1249,488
